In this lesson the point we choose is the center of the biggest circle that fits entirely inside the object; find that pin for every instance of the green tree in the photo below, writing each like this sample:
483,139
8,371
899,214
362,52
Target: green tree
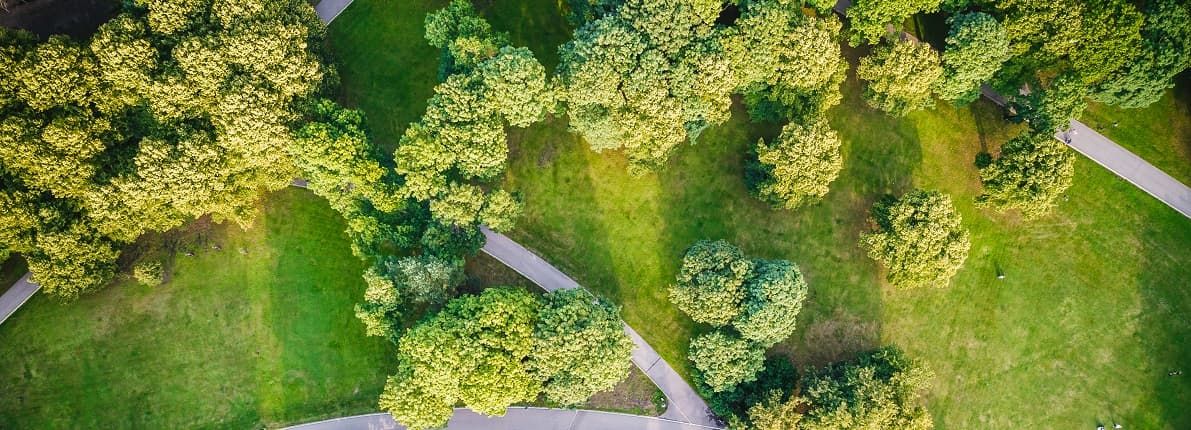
977,46
380,311
774,413
722,360
798,167
919,238
869,18
425,279
710,285
580,347
1052,108
148,273
1166,52
773,298
880,390
472,353
646,78
900,76
1032,171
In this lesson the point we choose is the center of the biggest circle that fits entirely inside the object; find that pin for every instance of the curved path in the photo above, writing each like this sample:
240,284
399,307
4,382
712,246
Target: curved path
684,404
514,419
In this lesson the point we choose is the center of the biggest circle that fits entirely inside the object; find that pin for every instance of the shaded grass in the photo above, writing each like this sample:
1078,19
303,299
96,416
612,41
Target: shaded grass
1084,328
234,340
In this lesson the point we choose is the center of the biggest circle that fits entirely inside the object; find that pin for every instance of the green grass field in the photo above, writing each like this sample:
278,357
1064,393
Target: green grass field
232,341
1160,133
1083,329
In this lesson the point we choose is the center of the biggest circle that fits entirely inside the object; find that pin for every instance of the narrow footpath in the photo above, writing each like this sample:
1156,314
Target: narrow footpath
684,404
514,419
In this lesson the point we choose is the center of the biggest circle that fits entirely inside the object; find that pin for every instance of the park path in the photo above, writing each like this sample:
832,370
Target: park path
16,296
515,418
1098,148
684,404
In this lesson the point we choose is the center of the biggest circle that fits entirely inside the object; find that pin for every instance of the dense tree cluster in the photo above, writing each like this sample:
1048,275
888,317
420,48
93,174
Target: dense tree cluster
504,346
919,238
870,18
1029,175
754,302
171,111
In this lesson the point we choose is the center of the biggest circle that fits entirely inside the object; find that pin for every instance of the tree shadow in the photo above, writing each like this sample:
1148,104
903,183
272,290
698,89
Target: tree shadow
1163,322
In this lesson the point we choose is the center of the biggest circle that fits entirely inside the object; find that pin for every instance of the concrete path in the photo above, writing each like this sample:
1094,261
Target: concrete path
683,403
327,10
16,296
514,419
1128,166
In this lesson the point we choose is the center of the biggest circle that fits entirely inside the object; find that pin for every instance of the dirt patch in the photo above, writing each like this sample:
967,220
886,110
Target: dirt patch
483,271
76,18
838,338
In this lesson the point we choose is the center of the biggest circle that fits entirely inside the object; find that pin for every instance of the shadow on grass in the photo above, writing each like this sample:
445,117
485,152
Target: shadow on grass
1164,320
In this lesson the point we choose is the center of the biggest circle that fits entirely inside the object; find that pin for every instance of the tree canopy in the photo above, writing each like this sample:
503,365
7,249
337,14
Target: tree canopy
919,238
723,360
880,389
504,346
977,46
1032,171
710,284
646,78
798,168
899,76
869,18
773,298
169,112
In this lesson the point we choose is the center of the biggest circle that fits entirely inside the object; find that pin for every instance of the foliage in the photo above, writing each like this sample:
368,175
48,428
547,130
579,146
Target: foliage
976,47
881,389
503,346
724,360
778,376
148,273
919,238
339,162
798,167
1052,108
773,298
710,285
646,78
583,11
900,76
870,17
425,279
773,413
1032,171
380,311
788,66
1165,52
472,353
171,111
580,347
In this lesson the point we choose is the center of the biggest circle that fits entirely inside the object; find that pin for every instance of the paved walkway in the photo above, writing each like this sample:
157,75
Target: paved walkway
514,419
1128,166
16,296
328,10
684,404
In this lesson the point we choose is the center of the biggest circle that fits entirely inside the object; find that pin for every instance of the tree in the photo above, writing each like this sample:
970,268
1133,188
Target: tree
788,66
776,414
1166,52
646,78
797,168
777,378
380,311
1110,39
336,157
425,279
710,284
1052,108
723,360
919,238
148,273
900,76
584,11
773,297
881,389
869,18
580,347
1030,174
472,353
977,46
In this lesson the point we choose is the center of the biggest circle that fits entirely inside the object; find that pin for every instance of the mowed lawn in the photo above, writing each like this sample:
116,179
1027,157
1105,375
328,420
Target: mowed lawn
1085,326
1160,133
258,333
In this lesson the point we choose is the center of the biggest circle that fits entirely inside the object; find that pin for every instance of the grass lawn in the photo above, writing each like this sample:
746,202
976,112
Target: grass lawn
234,340
1090,318
1159,133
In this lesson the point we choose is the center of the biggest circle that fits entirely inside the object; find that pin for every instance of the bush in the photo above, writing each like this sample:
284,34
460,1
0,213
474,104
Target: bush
148,273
